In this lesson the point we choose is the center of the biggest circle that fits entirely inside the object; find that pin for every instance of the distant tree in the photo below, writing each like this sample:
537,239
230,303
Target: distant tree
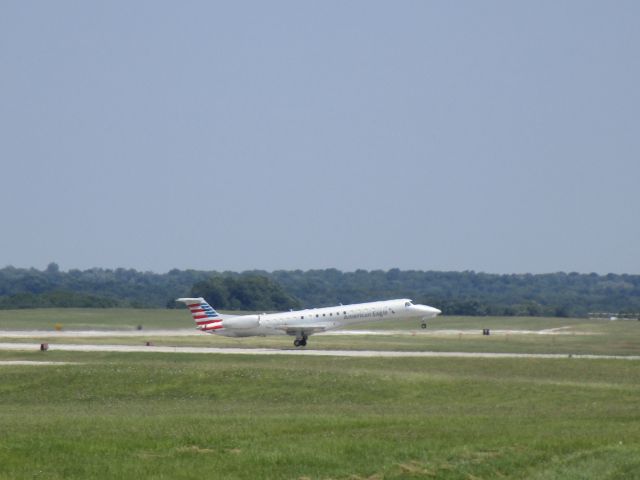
246,292
53,268
214,291
467,293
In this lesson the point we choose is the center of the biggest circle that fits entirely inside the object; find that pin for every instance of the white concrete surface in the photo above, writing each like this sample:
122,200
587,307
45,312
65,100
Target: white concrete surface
296,352
34,363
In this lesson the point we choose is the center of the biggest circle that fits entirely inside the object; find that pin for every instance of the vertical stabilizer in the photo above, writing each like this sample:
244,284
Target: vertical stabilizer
203,314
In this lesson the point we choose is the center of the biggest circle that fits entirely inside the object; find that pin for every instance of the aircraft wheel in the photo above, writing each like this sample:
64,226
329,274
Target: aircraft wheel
296,342
424,325
303,342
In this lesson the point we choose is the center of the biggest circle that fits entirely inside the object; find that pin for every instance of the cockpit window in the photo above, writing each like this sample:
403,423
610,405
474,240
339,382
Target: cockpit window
407,304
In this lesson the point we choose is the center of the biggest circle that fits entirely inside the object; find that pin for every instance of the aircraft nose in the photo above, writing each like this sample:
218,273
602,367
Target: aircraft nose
434,311
429,311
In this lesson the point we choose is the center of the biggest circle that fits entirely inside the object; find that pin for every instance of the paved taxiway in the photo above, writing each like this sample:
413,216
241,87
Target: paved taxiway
29,362
297,352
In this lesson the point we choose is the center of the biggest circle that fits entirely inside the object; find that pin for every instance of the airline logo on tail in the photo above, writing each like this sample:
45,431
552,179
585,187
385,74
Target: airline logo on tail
203,314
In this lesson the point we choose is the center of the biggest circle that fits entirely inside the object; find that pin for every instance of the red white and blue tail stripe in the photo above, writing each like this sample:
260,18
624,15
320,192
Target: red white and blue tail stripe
206,318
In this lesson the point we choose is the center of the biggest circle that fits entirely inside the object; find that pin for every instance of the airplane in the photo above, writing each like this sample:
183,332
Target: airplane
302,323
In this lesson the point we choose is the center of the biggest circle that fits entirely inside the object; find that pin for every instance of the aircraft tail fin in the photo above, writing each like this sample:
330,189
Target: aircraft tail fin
203,314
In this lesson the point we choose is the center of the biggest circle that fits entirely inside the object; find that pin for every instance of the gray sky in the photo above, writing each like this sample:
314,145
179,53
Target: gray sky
494,136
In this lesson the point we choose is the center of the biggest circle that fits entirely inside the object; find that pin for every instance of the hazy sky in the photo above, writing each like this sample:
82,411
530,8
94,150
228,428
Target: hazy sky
494,136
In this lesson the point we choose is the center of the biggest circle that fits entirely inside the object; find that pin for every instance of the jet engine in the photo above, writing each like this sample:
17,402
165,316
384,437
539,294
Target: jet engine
245,321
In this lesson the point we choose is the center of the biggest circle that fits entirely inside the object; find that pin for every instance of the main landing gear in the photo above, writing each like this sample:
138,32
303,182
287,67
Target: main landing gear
300,342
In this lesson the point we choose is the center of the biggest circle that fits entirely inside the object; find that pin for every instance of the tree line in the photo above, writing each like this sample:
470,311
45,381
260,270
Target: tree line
455,293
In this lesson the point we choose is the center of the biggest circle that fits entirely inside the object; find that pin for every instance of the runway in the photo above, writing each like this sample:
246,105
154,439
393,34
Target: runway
299,352
32,363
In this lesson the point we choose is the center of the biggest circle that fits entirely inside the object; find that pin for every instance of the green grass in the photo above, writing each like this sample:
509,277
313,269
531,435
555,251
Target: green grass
172,416
184,416
457,322
127,318
93,318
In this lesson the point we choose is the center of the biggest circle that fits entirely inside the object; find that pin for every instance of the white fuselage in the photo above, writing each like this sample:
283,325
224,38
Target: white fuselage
309,321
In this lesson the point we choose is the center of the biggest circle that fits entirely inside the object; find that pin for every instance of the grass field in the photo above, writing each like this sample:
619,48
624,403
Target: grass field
184,416
127,319
192,416
93,318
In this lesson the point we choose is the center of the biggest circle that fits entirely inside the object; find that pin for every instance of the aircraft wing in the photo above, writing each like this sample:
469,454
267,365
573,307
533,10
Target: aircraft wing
304,329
